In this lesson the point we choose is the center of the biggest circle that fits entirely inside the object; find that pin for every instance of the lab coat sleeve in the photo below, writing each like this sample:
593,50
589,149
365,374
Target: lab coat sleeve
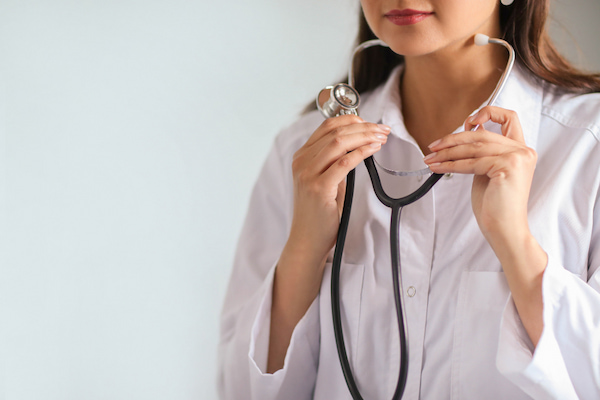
246,314
566,362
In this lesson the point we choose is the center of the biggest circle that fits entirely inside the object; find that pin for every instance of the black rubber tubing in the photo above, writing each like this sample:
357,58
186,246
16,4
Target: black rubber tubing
396,205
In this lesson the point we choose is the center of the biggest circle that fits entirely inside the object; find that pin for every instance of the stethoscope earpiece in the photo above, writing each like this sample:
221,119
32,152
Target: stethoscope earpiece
481,39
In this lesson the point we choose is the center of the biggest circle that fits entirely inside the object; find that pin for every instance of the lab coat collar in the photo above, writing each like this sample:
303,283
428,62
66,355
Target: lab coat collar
523,93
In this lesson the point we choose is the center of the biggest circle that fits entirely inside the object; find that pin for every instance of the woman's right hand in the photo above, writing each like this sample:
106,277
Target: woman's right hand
320,168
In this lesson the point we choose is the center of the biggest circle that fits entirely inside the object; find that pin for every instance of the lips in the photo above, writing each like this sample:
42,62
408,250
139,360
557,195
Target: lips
407,16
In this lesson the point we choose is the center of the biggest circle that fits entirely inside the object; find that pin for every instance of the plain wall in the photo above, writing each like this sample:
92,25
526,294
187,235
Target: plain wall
130,136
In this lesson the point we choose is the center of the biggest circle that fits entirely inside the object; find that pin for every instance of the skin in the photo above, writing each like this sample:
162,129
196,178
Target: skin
441,61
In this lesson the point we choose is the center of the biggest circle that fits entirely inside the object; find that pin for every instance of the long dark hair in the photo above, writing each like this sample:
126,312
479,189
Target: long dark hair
524,27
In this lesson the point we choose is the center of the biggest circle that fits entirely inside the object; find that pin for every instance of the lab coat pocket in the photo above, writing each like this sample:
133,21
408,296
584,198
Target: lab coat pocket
481,300
351,284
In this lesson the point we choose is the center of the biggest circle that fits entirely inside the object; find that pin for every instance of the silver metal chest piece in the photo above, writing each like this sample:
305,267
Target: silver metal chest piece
341,99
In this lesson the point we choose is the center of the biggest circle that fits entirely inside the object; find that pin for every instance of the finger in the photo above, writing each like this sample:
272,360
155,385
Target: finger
341,194
467,151
508,120
308,159
332,147
354,128
467,137
476,166
334,124
339,169
491,166
325,151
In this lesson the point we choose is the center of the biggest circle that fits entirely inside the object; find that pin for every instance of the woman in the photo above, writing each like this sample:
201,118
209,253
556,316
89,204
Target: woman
499,261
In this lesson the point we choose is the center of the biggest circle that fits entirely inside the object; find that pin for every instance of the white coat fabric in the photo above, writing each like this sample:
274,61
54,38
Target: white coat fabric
466,340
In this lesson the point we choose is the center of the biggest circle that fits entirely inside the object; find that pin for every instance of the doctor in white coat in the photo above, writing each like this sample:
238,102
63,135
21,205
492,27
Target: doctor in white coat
500,260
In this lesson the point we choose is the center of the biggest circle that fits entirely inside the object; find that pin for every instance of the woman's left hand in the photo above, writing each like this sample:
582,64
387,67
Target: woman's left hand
503,166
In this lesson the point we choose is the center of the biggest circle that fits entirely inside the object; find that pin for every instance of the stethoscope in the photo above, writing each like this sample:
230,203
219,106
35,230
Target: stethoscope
343,99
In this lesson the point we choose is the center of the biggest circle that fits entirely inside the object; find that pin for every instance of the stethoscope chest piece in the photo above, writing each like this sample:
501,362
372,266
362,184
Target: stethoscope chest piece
341,99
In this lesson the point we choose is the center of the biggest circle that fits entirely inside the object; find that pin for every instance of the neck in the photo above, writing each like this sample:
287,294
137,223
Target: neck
440,90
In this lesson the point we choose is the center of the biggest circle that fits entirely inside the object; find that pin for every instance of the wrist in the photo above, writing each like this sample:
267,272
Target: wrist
296,284
522,258
298,277
301,254
509,239
307,247
524,262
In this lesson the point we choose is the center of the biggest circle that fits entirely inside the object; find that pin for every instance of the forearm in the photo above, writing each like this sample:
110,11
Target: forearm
296,285
524,262
319,169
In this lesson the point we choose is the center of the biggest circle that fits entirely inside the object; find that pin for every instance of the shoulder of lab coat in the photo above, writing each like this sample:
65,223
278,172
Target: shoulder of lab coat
246,313
566,362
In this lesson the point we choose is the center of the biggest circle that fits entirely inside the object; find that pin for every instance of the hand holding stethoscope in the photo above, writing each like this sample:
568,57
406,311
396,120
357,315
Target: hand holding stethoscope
320,167
502,166
319,170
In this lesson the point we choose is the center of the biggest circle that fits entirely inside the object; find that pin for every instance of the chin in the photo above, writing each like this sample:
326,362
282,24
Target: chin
411,50
412,44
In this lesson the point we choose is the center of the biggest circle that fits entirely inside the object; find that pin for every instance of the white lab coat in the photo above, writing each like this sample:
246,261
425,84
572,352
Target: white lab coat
466,340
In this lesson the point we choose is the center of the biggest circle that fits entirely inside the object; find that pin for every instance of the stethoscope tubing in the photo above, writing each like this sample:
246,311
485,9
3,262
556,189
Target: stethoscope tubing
396,205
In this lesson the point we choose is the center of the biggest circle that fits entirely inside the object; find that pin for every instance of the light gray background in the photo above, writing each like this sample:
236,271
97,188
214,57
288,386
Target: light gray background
130,135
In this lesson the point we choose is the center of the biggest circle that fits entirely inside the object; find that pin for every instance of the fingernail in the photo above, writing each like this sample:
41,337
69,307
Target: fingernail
384,127
472,117
435,143
429,156
375,145
381,137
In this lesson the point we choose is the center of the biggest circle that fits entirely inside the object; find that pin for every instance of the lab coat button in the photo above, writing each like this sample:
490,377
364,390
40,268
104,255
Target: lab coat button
411,291
448,175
